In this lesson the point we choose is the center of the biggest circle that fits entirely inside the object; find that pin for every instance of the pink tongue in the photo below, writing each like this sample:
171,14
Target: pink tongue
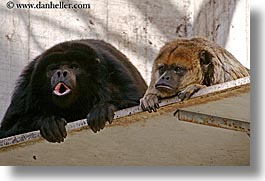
61,89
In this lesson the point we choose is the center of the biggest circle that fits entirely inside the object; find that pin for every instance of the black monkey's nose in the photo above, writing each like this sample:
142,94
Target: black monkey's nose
62,73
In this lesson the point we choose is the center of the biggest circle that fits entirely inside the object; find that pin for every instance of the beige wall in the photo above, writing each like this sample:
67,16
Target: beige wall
137,28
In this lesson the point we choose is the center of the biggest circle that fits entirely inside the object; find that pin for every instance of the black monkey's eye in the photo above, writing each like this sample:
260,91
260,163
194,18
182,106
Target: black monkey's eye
74,66
52,67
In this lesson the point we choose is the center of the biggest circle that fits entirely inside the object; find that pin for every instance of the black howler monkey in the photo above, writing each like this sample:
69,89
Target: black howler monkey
70,81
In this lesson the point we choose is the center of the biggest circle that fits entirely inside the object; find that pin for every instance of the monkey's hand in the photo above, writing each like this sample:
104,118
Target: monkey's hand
189,91
53,128
99,115
149,102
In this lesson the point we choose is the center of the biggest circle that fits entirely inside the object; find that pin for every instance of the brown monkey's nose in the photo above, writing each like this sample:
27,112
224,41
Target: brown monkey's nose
167,77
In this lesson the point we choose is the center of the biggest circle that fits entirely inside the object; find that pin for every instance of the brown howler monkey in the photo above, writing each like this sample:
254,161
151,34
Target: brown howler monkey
184,66
70,81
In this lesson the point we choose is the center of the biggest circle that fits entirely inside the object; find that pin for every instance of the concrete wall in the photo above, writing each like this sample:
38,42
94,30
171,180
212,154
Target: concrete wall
137,28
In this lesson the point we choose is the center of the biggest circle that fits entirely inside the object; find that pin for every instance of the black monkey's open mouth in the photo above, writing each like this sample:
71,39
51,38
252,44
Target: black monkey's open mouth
61,89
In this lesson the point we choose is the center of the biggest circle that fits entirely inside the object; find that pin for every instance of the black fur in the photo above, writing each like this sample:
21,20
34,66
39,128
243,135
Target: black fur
106,82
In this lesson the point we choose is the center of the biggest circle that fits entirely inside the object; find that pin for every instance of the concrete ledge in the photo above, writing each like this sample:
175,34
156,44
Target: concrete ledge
127,116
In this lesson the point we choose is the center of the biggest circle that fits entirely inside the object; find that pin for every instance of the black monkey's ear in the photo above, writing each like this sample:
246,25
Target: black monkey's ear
95,60
98,60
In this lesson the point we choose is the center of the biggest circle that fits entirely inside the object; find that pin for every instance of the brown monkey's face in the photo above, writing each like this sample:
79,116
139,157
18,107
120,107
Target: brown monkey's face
63,77
175,69
169,77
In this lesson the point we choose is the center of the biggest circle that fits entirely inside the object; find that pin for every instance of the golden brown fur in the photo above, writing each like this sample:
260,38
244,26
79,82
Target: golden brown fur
199,63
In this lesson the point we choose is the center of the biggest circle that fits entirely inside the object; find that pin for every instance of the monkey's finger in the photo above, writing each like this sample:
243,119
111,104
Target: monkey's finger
94,129
56,135
152,102
143,107
187,95
87,120
47,134
61,125
54,130
101,122
44,134
90,122
157,106
146,106
142,104
153,108
181,96
95,125
98,122
110,114
110,119
151,105
95,117
46,129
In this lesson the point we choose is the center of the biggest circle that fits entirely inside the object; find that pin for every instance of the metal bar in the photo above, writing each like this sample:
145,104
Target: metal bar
208,90
169,104
215,121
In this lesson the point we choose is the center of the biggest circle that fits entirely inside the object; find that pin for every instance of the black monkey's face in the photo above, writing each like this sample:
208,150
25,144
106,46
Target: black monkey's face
63,77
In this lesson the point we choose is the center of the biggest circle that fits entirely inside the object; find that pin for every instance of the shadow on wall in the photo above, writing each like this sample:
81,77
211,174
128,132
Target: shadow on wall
212,19
138,34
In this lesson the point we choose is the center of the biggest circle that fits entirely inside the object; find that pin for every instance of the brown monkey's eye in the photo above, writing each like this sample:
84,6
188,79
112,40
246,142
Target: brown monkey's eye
161,69
179,70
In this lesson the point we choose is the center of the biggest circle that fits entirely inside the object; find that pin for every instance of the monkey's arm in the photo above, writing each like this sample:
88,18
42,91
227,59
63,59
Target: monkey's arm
99,115
150,100
189,91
